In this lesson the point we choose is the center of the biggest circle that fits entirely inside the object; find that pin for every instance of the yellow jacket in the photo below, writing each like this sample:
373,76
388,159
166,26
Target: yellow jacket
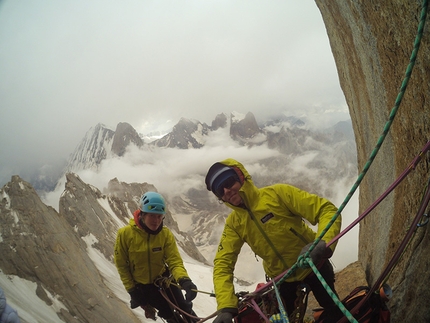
278,211
140,257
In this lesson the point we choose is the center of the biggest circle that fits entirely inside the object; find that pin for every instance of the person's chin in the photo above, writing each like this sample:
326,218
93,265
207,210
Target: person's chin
235,200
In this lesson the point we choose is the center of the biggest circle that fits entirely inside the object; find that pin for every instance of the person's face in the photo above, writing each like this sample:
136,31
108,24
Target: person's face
229,192
152,220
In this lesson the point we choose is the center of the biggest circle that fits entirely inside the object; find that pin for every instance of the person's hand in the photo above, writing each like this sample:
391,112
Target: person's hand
137,298
318,253
189,288
226,315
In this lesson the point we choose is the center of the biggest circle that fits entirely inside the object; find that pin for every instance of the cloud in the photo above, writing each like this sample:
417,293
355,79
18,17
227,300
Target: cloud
174,171
171,170
67,66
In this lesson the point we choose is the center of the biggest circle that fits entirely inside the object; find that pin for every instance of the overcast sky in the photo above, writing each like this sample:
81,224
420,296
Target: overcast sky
66,66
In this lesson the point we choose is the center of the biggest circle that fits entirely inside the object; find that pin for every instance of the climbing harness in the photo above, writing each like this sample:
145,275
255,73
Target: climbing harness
301,303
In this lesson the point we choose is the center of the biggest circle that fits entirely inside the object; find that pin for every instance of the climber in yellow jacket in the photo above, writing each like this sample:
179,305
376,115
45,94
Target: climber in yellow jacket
271,221
145,250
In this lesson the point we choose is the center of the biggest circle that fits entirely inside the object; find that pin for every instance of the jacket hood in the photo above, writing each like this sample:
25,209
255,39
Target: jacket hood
248,192
234,163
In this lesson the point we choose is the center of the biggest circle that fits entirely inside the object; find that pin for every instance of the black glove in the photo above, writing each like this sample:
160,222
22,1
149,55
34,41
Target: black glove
226,315
318,253
149,312
189,288
137,298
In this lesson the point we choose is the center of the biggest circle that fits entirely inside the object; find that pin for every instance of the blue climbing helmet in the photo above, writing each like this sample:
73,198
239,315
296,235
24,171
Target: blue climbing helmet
152,202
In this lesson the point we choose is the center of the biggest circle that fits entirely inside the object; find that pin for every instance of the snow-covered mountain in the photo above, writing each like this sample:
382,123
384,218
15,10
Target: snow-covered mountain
281,149
58,266
287,135
100,143
62,255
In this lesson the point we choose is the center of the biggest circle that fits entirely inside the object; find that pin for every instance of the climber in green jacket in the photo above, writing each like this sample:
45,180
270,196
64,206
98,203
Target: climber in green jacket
146,251
271,221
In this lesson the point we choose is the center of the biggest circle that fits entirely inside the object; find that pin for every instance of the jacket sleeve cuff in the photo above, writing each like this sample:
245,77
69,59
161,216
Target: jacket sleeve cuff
183,280
231,310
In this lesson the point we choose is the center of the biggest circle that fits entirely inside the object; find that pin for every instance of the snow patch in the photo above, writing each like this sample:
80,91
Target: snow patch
33,310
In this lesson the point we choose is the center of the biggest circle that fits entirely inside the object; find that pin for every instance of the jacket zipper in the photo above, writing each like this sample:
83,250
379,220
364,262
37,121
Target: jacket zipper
267,238
149,258
298,235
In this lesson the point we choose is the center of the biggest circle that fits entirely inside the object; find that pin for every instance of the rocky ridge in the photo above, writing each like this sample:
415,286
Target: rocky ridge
287,135
50,248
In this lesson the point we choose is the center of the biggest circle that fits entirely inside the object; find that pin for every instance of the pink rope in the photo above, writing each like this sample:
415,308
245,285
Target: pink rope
402,176
411,167
258,310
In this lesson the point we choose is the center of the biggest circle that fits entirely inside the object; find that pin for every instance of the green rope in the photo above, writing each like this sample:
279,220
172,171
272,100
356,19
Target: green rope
388,124
282,311
336,300
304,260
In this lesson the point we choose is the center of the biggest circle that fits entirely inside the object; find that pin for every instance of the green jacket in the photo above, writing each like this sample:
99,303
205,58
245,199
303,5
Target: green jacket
140,257
279,211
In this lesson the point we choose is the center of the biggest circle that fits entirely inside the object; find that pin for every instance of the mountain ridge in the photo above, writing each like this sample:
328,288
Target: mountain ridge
82,232
190,134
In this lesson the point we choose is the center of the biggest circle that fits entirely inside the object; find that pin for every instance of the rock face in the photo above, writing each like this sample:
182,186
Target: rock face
97,141
372,42
124,135
220,121
245,128
100,143
345,281
39,245
51,248
186,134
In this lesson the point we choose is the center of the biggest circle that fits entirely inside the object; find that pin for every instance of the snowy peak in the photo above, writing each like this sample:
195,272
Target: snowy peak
100,143
93,149
244,128
185,134
286,135
220,121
